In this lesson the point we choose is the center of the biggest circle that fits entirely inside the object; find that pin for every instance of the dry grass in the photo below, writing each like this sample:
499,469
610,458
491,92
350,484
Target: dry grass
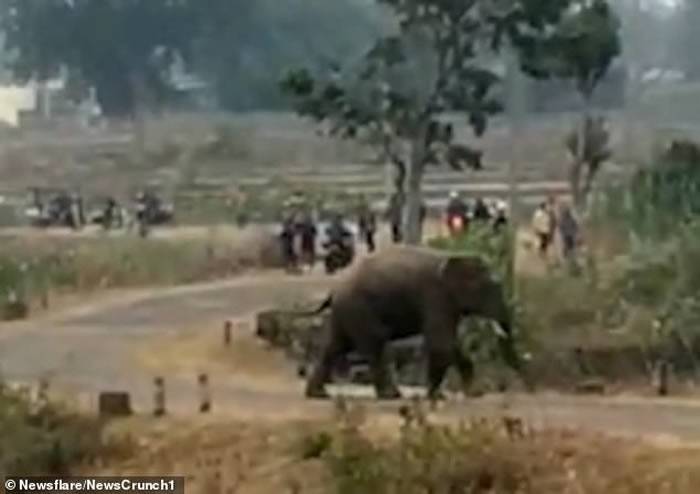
38,268
201,349
379,456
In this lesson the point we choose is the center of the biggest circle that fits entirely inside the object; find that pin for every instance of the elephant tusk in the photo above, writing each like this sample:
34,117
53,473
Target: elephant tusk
499,331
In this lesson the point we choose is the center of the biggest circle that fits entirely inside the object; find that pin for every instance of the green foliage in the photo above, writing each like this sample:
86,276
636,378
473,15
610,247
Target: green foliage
315,445
659,199
582,47
34,271
480,240
42,439
247,46
123,48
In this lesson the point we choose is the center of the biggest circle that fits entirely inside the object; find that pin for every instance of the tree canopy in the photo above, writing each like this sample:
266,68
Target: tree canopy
439,59
122,47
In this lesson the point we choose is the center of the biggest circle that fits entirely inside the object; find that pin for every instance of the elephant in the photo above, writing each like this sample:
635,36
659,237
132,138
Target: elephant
406,291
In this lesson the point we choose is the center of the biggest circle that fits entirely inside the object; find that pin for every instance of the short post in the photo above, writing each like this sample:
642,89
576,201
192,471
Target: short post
228,326
42,394
204,394
662,375
159,397
45,300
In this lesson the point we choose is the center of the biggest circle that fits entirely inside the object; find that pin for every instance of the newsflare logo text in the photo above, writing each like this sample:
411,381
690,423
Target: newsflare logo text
134,485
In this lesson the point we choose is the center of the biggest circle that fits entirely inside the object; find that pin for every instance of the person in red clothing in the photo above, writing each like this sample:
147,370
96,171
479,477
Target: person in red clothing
456,214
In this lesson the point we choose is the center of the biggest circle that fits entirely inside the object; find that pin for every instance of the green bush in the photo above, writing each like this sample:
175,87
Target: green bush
32,271
42,439
489,456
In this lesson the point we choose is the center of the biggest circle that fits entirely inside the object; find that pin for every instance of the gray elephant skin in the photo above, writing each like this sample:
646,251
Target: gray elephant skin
402,292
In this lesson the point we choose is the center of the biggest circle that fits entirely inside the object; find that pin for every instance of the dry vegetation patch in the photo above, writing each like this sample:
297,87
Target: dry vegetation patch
356,453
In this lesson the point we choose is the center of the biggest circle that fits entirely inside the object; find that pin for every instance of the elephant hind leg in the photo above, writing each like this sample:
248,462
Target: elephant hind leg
330,355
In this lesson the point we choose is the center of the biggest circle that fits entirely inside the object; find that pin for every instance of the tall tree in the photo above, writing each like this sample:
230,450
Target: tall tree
248,45
581,48
437,61
122,47
687,40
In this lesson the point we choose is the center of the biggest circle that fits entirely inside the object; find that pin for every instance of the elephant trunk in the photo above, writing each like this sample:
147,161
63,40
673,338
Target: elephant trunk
512,358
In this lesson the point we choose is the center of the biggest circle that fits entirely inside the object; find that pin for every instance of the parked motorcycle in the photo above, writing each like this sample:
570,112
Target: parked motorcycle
339,254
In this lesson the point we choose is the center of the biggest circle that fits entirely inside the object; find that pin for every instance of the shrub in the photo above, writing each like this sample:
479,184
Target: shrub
41,439
499,456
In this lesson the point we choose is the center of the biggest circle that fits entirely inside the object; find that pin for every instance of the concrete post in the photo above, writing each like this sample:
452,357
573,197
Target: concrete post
228,326
204,394
159,397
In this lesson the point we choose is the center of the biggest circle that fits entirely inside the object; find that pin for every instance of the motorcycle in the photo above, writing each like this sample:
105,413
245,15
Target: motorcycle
456,224
339,254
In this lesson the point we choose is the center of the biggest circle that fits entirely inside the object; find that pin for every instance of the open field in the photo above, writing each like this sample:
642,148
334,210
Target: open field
120,333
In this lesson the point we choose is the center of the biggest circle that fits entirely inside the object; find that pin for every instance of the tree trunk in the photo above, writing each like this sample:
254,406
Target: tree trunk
412,218
580,157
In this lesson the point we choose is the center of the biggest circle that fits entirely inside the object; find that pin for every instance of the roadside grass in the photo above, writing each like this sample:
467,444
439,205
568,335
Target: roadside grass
32,271
358,451
39,437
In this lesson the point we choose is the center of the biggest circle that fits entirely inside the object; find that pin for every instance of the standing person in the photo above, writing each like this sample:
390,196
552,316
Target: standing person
393,214
569,232
541,224
367,224
552,210
307,233
287,236
481,211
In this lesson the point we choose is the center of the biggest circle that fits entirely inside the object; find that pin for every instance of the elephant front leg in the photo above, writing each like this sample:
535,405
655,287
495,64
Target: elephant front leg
316,385
438,363
382,376
465,366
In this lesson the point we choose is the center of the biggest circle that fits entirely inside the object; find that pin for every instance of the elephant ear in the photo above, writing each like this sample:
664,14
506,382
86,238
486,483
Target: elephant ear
463,273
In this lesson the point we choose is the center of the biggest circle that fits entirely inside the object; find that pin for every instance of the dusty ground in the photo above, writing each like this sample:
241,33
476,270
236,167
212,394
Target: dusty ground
123,343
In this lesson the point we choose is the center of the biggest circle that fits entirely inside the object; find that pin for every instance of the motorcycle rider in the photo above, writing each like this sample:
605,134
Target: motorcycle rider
339,246
481,210
456,214
500,220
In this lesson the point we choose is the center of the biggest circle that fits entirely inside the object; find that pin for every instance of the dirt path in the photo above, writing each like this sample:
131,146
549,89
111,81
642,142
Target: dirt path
93,348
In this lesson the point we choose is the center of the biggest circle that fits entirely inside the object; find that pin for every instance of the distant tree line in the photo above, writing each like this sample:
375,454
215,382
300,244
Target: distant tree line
124,48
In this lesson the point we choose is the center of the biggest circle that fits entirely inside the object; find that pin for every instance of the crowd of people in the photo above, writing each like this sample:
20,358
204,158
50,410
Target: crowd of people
299,238
300,231
66,209
459,214
551,220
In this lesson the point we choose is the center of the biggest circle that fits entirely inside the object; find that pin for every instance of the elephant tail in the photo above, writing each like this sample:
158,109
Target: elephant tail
326,304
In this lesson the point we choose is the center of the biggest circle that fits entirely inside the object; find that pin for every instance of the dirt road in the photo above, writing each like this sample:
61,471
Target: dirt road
92,348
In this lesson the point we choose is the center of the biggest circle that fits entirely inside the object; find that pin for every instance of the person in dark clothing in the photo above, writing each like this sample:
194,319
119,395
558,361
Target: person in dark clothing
481,210
456,214
394,212
287,236
337,232
110,214
569,232
307,232
500,221
367,224
339,245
